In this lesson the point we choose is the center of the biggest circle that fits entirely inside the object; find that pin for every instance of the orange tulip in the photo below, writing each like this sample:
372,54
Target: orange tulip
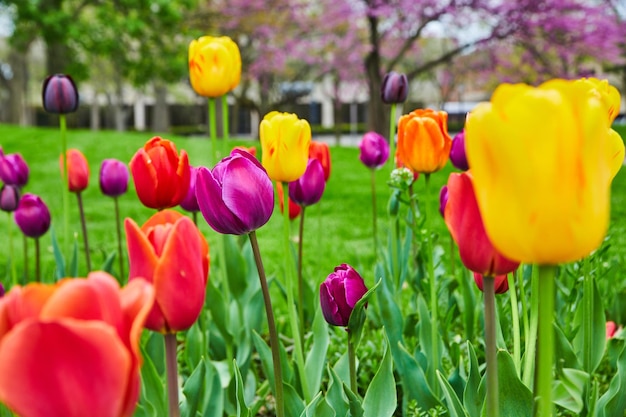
321,152
77,170
72,349
294,209
161,176
170,252
423,140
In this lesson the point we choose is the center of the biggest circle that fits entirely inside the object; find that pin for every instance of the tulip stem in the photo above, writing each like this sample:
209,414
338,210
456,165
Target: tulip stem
517,346
374,227
213,132
300,281
352,364
83,224
491,350
545,342
66,183
392,134
172,374
11,253
278,374
531,341
120,253
25,239
37,261
522,292
225,134
434,335
587,324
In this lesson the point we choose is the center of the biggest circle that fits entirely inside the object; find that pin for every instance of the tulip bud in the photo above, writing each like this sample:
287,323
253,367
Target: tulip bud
394,203
374,150
457,152
190,202
32,216
443,200
308,189
60,94
339,293
395,88
9,197
501,283
13,169
77,170
113,177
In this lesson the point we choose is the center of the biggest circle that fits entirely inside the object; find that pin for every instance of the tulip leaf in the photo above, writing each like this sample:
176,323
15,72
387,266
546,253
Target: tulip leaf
317,353
242,409
107,266
213,404
516,400
58,256
73,266
152,386
265,355
613,402
294,406
354,402
474,394
155,349
455,408
357,317
598,329
194,345
414,380
235,266
218,308
194,386
563,350
380,399
318,407
335,395
568,390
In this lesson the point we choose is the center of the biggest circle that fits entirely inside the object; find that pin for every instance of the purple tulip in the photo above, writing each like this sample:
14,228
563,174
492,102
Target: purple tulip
443,200
113,177
32,216
457,152
59,94
374,150
190,202
13,169
9,197
339,293
395,88
1,290
235,197
308,189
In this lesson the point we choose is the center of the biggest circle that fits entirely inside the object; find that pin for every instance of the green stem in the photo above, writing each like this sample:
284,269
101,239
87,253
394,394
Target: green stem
522,292
11,253
226,291
37,261
433,288
395,238
25,239
66,184
213,132
278,374
225,134
588,313
120,252
172,374
490,347
291,305
374,228
194,216
545,342
352,364
392,134
531,341
517,346
83,224
300,281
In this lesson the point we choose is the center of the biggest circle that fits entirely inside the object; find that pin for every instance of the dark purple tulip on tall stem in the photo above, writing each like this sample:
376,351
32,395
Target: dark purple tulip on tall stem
394,90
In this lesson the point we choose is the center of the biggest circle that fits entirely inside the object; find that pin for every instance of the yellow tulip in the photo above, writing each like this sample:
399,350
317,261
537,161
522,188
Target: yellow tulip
285,143
423,140
542,161
214,65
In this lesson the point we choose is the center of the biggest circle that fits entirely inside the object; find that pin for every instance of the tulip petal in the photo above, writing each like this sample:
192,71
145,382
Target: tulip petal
64,369
329,306
145,178
212,207
22,303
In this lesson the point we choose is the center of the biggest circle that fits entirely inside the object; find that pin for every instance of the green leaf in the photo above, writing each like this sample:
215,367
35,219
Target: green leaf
568,390
455,408
613,402
474,394
516,400
317,353
242,409
73,267
152,387
563,350
265,354
236,267
107,265
357,317
598,332
318,407
194,345
192,389
425,325
218,309
380,399
213,405
335,396
354,402
294,405
155,349
414,381
58,256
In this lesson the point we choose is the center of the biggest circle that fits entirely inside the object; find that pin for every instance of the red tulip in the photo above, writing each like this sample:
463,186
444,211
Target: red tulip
72,349
501,283
170,252
321,152
294,209
468,231
161,176
77,170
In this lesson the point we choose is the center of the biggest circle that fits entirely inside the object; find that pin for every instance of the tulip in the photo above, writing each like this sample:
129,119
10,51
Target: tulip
9,197
423,140
60,95
236,196
294,209
457,152
320,151
77,170
72,349
32,216
466,227
501,283
113,177
308,189
214,65
395,88
339,293
251,150
169,252
374,150
443,200
611,329
544,197
285,143
161,176
13,169
190,202
1,290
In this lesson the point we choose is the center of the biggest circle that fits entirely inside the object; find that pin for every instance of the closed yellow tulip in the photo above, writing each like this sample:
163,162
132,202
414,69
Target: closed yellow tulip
285,143
423,140
542,161
214,65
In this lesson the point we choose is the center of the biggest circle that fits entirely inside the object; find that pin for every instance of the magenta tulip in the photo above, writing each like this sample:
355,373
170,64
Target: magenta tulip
309,188
235,197
13,169
32,216
190,202
59,94
114,177
9,197
457,152
395,88
374,150
443,200
339,293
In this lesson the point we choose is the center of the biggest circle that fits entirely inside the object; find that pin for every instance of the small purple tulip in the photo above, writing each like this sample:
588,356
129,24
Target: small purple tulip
13,169
395,88
114,177
32,216
443,200
1,290
59,94
9,197
374,150
339,293
235,197
457,152
190,202
309,188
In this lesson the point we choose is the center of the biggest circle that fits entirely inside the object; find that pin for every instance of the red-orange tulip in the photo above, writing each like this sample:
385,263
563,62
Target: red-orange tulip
423,140
161,176
77,170
321,152
170,252
72,349
294,209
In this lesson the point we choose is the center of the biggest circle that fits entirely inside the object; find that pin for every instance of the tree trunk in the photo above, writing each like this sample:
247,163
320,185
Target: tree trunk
119,114
94,120
18,109
161,114
57,58
377,112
